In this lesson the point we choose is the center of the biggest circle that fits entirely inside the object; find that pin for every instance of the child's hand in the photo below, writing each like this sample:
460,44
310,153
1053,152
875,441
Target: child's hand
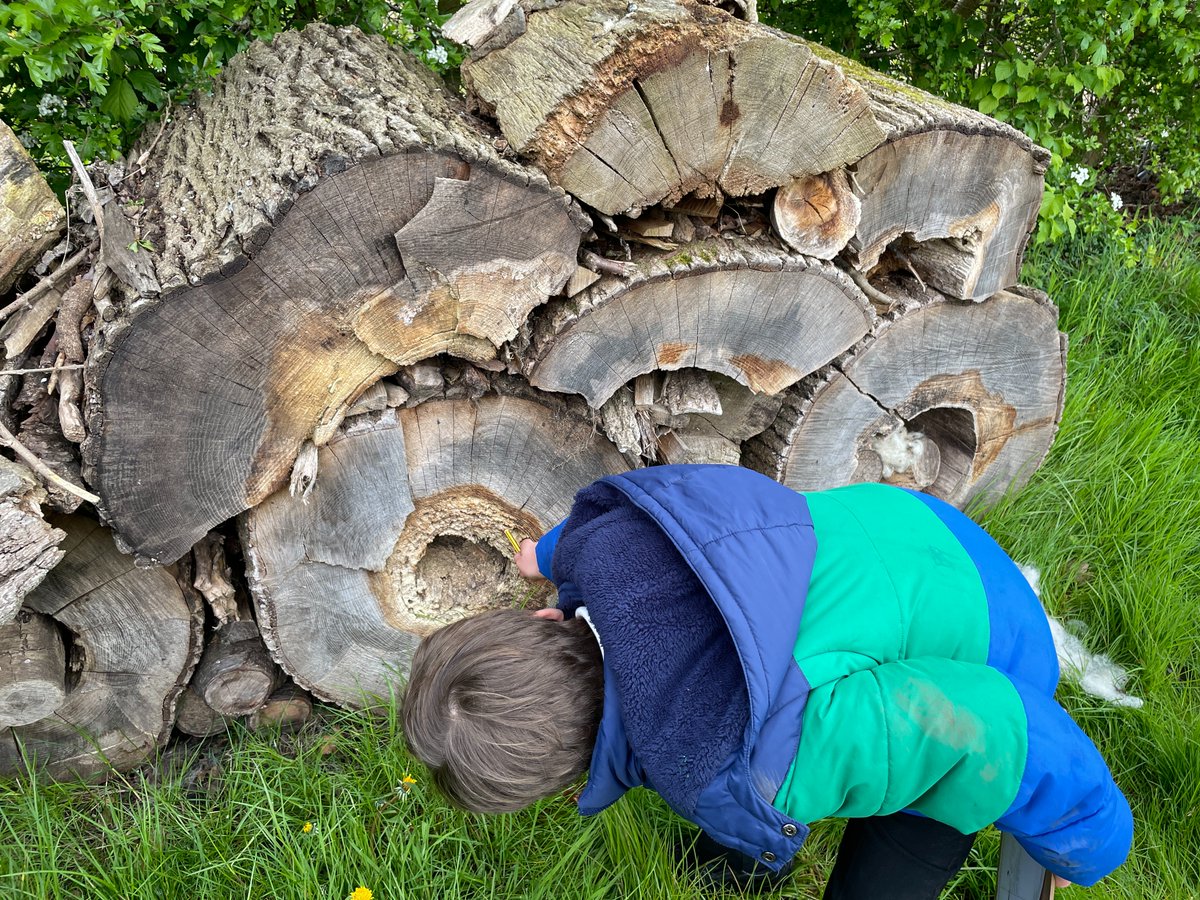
526,560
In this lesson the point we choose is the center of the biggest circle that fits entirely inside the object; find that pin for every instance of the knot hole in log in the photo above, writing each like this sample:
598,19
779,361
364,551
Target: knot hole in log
452,560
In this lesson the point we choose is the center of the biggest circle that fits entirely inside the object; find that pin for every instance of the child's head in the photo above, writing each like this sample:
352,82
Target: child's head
503,707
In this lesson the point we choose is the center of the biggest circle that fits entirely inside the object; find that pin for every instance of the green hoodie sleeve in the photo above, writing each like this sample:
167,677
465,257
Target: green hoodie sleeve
945,738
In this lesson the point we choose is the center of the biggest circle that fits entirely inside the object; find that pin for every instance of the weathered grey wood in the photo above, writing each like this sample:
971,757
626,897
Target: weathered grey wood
299,264
958,208
984,382
816,214
626,106
404,531
31,217
32,669
211,578
20,331
29,546
756,314
236,674
132,641
42,434
196,718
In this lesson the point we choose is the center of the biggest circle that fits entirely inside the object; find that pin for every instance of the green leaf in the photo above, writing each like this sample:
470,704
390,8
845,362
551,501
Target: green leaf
147,85
988,105
1026,93
1004,70
1100,54
1001,89
120,101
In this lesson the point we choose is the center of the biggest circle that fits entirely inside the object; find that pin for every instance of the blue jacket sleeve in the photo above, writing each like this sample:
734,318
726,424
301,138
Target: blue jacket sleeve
545,550
1068,814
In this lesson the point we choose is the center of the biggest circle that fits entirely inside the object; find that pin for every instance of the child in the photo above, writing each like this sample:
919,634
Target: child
763,659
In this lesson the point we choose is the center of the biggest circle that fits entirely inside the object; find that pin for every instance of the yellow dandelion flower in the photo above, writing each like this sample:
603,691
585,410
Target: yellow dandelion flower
361,893
307,827
407,782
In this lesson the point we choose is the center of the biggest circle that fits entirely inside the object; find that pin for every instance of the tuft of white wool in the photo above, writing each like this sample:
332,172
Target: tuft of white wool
1095,673
899,450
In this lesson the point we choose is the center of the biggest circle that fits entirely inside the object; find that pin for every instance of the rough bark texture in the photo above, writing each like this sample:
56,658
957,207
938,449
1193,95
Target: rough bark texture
984,382
300,215
404,531
29,546
30,215
746,310
629,105
131,640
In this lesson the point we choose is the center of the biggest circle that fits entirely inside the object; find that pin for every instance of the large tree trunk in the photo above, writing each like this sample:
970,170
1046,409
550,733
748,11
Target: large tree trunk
302,253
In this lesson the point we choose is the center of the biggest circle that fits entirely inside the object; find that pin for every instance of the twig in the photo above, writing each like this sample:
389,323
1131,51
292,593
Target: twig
7,438
874,294
24,301
40,371
89,189
59,361
145,155
605,266
75,301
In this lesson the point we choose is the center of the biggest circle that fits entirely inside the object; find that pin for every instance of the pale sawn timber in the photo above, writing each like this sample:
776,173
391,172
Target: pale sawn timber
404,532
983,381
311,234
33,669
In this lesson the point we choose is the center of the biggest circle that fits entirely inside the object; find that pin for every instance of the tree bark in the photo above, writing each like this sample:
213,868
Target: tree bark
31,217
29,546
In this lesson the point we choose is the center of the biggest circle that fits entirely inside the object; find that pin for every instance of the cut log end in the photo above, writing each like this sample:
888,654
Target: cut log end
816,214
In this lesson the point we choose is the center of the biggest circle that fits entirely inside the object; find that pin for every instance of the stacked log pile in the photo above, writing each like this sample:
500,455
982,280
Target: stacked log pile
340,331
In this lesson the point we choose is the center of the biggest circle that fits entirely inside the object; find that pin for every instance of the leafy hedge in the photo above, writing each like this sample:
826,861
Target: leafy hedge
1108,86
95,71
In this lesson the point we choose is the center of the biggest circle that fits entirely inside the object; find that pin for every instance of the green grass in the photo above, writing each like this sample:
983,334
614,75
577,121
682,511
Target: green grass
1112,519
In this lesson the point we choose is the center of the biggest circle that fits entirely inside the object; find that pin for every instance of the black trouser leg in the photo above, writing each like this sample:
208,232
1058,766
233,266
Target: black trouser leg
896,857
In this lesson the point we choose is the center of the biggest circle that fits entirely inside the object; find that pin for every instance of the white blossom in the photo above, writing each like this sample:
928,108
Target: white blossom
1115,199
437,54
50,104
1166,133
28,141
1080,174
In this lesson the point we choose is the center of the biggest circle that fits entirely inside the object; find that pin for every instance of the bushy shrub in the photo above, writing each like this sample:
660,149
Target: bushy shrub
95,71
1107,86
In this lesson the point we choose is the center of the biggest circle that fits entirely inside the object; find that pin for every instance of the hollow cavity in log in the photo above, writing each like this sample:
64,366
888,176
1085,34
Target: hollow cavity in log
404,531
982,382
